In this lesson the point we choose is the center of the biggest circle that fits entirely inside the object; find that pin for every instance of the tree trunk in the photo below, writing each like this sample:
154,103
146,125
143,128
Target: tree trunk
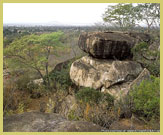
46,68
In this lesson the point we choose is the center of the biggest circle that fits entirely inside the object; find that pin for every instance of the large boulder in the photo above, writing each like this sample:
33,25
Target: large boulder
111,45
46,122
98,73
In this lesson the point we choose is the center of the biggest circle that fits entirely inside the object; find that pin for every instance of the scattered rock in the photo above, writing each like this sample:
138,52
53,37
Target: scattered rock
38,81
46,122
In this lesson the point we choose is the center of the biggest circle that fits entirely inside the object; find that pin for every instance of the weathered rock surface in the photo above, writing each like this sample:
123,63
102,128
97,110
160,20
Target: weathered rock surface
144,75
128,124
111,45
68,105
120,91
140,37
45,122
96,73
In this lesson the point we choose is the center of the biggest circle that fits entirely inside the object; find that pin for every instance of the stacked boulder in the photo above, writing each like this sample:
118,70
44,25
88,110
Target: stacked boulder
109,66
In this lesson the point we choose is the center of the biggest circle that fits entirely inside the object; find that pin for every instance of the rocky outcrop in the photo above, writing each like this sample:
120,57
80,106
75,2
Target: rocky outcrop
96,73
46,122
112,45
116,73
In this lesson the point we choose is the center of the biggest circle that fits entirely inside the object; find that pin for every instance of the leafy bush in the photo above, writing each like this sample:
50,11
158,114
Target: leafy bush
149,59
90,95
61,77
22,81
146,98
154,67
140,47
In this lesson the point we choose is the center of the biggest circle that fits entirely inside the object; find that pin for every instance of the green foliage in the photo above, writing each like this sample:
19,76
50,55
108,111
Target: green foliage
146,98
150,59
72,115
20,108
142,46
128,16
154,68
14,101
90,95
149,13
33,51
61,77
22,81
121,15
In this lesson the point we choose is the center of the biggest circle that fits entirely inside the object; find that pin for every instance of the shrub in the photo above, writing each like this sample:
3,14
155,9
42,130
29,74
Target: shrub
61,76
21,80
72,115
14,100
146,98
91,96
88,95
148,58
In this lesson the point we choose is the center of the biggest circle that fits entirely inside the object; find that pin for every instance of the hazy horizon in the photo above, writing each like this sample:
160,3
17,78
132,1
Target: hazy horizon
68,14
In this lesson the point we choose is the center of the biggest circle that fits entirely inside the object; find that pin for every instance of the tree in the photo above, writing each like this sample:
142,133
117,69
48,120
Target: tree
33,51
149,13
127,16
120,15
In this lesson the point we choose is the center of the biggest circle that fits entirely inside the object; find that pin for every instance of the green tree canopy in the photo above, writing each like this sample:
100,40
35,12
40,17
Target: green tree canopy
126,16
120,15
33,51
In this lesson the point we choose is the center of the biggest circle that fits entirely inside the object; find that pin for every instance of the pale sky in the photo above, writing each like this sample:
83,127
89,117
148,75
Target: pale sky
58,13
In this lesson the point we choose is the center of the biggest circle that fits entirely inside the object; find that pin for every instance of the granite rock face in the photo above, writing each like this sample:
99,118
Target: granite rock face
109,66
120,91
96,73
46,122
144,75
112,45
